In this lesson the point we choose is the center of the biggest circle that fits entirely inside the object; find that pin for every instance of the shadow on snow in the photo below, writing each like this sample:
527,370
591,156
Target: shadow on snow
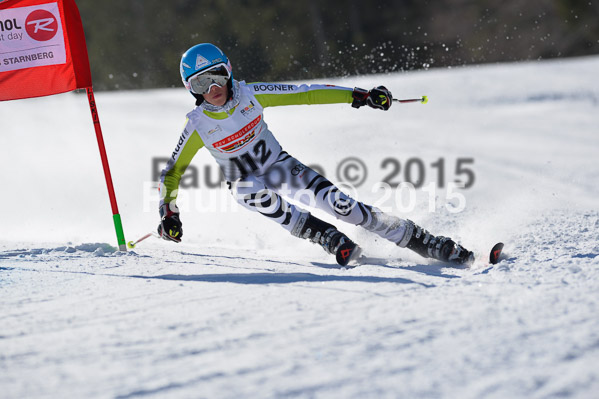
279,278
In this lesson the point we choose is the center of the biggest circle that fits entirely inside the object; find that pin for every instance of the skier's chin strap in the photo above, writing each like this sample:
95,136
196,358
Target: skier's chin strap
199,98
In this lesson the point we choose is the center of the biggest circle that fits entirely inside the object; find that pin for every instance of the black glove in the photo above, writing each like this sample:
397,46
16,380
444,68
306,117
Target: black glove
170,227
379,98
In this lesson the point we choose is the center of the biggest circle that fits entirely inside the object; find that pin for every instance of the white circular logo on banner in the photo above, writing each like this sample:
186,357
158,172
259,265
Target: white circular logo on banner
41,25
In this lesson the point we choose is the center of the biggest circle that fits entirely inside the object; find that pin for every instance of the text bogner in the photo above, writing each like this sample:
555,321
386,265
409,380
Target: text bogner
271,87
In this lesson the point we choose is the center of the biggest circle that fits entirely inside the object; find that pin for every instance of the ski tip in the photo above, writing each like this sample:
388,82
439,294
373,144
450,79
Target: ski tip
495,253
347,253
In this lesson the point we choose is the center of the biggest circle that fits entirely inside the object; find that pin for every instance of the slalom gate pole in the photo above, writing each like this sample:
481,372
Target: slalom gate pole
118,225
423,100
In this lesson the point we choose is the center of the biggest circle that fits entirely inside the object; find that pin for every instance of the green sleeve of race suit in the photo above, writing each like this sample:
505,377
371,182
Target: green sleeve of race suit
187,147
274,94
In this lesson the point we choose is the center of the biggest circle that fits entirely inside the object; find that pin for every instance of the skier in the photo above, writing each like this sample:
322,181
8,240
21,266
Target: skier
228,121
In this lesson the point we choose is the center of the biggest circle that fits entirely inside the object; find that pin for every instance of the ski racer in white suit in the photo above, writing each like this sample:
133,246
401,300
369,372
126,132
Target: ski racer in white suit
228,121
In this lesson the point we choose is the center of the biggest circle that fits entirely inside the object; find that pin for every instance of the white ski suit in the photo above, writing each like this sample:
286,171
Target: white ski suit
259,171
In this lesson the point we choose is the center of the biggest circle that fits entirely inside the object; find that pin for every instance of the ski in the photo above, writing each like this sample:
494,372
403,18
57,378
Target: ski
493,258
348,252
357,258
495,253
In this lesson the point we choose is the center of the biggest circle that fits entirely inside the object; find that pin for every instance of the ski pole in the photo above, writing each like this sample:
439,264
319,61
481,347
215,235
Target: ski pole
423,100
132,244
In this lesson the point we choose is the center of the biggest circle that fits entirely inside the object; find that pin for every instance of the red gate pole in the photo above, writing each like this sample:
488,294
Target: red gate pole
118,225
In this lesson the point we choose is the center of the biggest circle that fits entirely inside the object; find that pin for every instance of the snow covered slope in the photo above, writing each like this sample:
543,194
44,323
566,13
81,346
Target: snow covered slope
241,309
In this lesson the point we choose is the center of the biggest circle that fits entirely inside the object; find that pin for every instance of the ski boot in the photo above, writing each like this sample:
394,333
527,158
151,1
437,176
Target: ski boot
440,248
328,237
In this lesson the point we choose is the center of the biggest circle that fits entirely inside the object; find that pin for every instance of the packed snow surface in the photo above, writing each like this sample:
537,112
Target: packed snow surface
242,309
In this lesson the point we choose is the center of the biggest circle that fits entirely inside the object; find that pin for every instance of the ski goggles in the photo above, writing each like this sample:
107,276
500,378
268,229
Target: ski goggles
201,83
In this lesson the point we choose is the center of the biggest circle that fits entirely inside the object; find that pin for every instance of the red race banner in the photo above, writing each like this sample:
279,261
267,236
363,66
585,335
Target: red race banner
42,49
43,52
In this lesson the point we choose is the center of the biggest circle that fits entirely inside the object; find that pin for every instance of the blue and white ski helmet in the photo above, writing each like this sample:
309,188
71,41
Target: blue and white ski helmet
200,58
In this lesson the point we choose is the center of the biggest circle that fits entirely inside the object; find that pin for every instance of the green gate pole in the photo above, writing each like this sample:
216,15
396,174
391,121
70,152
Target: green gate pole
118,225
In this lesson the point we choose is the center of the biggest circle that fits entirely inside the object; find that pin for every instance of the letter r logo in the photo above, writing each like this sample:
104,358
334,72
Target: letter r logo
41,25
